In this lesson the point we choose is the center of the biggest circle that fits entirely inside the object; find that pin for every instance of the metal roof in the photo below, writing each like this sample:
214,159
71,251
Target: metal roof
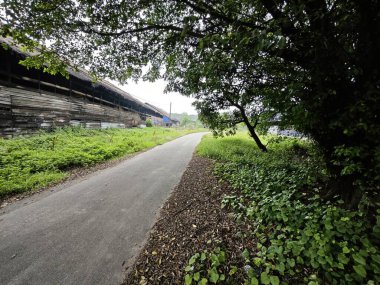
82,74
162,112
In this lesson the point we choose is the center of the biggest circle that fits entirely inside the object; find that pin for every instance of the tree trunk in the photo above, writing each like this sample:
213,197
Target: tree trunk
252,132
256,138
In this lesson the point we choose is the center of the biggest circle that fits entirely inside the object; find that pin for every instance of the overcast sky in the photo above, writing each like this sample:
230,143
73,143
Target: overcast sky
153,93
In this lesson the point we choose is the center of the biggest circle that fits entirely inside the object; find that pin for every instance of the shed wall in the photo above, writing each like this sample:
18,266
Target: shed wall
24,111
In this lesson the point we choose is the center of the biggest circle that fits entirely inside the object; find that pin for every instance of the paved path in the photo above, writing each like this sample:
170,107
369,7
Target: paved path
83,233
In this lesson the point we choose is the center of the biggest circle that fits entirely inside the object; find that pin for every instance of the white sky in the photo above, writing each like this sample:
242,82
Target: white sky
153,93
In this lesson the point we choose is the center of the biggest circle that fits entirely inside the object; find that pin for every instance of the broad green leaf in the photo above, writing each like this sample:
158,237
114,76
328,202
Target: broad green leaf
197,276
188,279
376,258
233,270
214,260
343,259
291,262
264,278
193,259
257,261
360,270
274,280
214,276
280,267
254,281
246,254
359,259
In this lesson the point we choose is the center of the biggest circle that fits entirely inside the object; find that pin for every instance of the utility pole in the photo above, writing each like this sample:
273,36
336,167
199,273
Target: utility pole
170,112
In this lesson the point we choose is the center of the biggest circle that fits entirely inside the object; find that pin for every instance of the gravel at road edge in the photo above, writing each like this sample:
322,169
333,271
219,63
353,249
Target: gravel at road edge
190,221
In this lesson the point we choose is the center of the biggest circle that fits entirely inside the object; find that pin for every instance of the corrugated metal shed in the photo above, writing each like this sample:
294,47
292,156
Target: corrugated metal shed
80,82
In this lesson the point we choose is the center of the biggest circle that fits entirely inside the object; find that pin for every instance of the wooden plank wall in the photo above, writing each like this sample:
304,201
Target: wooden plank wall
25,111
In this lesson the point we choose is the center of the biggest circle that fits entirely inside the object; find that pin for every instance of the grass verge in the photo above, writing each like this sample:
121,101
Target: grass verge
34,162
298,237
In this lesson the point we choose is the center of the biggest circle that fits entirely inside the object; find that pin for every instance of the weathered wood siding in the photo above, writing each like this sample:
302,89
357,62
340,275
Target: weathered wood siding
25,111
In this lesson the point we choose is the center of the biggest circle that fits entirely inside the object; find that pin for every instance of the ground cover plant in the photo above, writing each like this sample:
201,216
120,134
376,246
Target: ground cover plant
29,163
299,237
309,65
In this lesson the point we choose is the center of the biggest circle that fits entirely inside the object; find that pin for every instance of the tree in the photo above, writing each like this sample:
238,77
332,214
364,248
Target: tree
185,120
222,80
316,61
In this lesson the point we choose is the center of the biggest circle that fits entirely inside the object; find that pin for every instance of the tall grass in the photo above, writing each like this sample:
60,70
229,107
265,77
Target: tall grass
241,148
38,161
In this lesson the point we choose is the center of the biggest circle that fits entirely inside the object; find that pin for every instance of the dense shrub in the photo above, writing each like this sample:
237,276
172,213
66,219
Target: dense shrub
301,239
149,123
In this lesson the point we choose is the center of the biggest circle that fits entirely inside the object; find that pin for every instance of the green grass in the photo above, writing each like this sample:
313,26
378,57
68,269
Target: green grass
299,238
240,148
235,148
31,163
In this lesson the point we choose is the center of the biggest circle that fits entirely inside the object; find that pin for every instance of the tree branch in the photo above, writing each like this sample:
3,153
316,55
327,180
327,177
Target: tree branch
206,9
143,29
284,22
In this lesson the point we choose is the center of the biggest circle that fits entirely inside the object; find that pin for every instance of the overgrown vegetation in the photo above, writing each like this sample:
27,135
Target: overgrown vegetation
311,65
149,123
188,121
300,238
38,161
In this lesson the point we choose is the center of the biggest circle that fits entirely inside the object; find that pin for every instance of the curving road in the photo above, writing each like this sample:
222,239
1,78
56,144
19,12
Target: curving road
83,233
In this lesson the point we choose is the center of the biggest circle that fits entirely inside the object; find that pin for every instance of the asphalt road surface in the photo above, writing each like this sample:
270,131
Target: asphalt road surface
83,233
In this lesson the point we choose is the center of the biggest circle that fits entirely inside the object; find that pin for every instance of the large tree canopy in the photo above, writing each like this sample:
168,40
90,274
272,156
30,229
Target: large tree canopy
315,62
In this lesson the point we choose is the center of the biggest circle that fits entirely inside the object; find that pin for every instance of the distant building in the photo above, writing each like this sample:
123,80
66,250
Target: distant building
275,128
286,132
165,120
31,99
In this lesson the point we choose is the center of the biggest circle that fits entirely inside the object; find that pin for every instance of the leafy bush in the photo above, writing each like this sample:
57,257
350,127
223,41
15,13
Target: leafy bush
149,123
40,160
301,239
206,267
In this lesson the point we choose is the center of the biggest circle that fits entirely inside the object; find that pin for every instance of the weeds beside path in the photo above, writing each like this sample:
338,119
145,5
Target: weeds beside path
35,162
191,220
274,227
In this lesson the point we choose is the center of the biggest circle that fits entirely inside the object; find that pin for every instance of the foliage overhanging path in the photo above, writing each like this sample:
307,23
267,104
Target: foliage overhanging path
310,65
83,234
